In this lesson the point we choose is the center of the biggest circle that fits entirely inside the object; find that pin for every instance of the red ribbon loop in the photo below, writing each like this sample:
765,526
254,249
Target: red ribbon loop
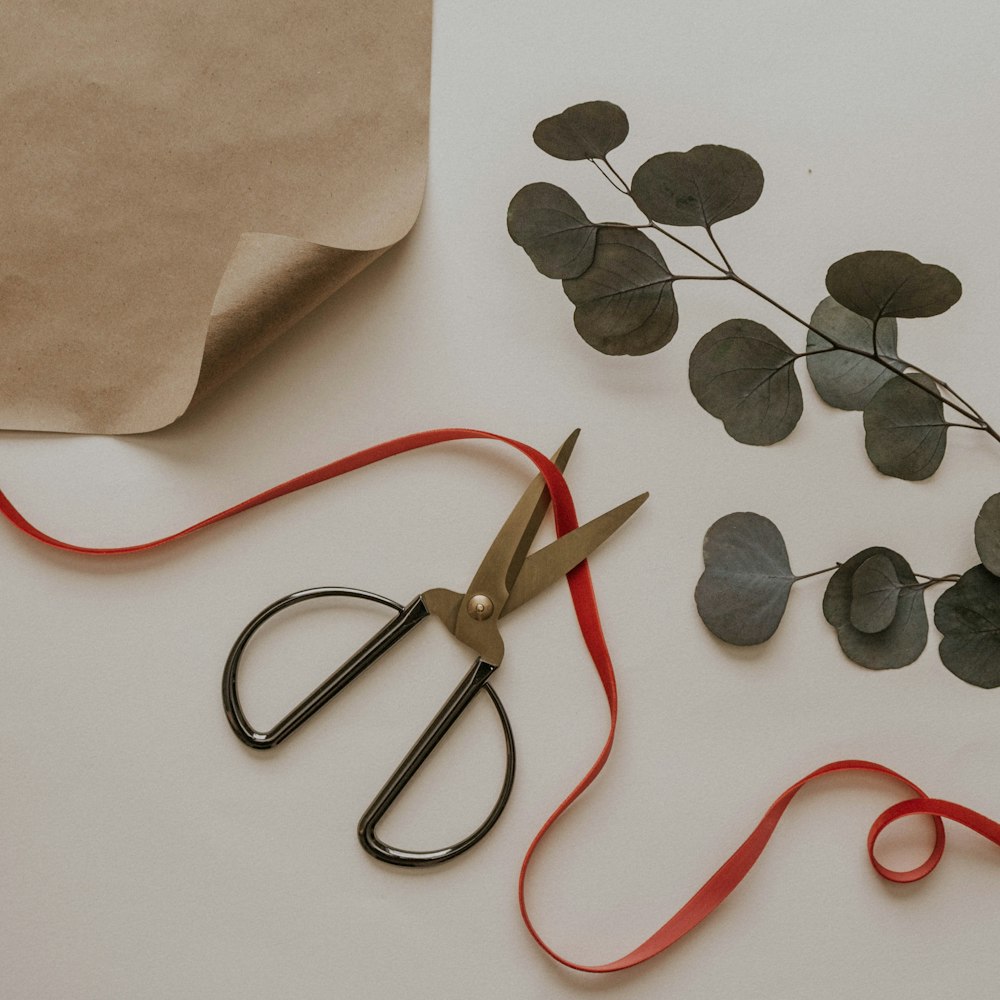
738,865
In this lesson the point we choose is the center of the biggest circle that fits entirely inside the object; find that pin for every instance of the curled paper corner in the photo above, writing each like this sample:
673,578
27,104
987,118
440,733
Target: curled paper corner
270,283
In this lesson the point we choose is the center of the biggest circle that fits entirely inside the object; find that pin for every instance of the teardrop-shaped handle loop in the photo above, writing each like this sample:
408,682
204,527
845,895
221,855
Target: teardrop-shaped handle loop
473,682
406,618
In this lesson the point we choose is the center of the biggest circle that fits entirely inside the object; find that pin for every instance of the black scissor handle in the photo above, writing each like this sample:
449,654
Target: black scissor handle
473,682
383,640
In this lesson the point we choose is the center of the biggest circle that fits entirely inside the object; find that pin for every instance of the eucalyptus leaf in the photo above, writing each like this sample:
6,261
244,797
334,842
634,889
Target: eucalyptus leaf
741,595
988,534
842,379
903,640
878,283
625,300
875,590
698,188
905,429
553,230
968,617
744,375
586,131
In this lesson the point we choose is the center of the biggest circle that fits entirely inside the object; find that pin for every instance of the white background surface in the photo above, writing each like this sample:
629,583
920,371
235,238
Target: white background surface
147,854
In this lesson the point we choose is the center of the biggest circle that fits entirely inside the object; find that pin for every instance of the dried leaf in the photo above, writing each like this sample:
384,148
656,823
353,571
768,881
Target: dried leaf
625,300
698,188
845,380
742,594
744,375
906,636
875,590
905,429
878,283
586,131
968,616
554,231
988,534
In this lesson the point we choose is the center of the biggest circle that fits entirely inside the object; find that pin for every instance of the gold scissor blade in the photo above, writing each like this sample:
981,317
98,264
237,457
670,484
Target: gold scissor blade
542,568
506,555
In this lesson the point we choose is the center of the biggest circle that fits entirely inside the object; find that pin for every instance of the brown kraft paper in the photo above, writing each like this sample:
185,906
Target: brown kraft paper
182,182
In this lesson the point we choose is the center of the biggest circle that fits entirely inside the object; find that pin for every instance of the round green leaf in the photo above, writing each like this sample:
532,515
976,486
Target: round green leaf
903,640
742,594
878,283
744,375
583,132
848,381
553,229
968,616
905,429
988,534
625,300
875,589
698,188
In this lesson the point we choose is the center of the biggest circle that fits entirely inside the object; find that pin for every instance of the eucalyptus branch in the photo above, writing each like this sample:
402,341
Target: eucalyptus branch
962,407
623,291
873,600
873,355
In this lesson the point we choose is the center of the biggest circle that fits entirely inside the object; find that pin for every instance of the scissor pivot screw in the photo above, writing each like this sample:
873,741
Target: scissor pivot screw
480,607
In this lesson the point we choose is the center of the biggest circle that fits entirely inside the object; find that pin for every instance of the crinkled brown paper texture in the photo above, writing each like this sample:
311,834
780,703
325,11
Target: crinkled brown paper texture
183,181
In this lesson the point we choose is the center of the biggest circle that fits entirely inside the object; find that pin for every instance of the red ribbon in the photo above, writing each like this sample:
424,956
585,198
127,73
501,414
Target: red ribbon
736,867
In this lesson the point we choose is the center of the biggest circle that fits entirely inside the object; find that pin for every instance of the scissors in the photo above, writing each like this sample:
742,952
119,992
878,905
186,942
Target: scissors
507,578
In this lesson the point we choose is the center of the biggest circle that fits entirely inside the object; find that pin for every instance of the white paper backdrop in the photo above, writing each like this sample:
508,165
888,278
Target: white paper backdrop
144,852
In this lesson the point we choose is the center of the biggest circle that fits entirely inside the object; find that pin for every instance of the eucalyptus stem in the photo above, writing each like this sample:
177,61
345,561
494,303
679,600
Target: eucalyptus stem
949,389
715,244
818,572
624,188
931,580
621,180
